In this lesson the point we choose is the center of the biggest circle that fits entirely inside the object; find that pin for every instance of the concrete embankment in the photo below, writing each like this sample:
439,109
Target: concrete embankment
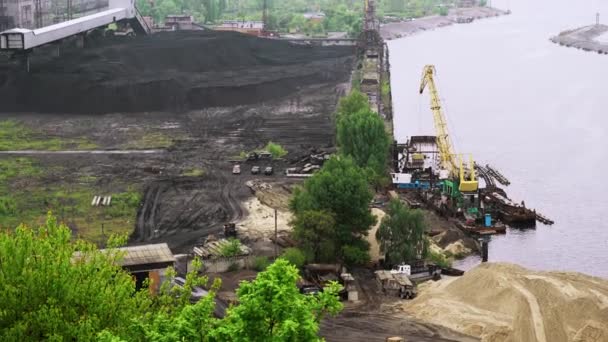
588,38
455,16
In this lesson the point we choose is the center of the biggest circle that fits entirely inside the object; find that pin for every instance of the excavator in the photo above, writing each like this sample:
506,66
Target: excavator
451,162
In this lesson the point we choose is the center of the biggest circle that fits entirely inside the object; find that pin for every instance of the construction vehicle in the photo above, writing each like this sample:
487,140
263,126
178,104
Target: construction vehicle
396,284
449,161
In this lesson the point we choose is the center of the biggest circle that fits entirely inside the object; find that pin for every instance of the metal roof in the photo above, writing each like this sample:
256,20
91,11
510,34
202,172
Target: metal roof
147,254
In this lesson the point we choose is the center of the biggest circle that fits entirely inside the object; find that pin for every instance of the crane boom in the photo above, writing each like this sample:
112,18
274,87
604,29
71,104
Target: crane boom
444,144
468,179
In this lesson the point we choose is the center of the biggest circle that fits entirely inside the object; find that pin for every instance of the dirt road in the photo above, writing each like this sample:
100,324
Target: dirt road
374,319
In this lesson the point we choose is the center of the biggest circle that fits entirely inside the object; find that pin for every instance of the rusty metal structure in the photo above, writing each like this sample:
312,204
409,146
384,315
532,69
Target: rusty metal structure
370,36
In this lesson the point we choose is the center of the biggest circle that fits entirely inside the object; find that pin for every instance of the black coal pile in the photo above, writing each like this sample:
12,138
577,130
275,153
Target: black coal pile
173,71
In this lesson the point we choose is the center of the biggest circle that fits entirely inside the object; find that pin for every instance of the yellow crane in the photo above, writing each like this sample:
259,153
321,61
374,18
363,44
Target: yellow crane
468,180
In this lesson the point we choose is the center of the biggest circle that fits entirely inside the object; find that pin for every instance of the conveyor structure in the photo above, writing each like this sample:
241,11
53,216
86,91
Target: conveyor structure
19,39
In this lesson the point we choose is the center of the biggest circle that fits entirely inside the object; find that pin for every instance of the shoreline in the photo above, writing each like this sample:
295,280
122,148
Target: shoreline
464,15
584,38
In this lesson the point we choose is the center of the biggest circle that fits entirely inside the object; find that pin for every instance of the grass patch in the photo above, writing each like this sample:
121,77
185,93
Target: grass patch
276,150
11,168
72,206
150,140
193,172
14,136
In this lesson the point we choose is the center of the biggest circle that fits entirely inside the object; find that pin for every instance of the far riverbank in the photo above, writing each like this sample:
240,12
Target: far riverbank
455,16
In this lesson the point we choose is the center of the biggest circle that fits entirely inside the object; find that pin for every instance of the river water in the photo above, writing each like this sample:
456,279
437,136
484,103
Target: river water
533,109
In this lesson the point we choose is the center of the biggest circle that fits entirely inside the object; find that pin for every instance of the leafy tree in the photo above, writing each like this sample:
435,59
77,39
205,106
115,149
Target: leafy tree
363,136
47,292
401,233
340,188
353,103
46,295
315,232
295,257
271,308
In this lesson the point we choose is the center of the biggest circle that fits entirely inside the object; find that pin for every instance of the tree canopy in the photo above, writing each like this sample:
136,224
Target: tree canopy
271,308
52,288
340,188
315,231
361,134
401,234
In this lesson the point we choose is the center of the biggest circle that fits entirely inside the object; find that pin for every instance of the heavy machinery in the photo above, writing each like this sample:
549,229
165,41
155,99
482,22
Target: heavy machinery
451,163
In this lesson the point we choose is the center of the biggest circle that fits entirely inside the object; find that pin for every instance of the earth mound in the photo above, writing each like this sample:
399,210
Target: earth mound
505,302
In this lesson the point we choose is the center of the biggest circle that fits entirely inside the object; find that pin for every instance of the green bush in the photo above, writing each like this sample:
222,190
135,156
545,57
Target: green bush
483,3
443,11
7,205
295,256
230,249
260,263
439,259
276,150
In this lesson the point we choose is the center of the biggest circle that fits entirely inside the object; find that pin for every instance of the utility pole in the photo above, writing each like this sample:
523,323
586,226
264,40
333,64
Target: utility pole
265,17
597,18
276,234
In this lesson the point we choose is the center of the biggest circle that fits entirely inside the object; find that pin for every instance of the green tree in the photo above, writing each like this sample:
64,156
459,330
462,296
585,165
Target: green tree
362,135
295,256
271,308
54,289
353,103
45,294
315,233
339,188
401,234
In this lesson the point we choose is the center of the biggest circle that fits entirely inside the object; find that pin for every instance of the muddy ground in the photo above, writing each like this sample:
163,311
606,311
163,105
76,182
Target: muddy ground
201,98
377,316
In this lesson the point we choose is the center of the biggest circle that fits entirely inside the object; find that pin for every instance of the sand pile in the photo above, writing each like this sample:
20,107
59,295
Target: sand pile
169,71
259,222
504,302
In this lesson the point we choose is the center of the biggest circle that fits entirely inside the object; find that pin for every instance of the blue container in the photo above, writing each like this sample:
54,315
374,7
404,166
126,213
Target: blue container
488,220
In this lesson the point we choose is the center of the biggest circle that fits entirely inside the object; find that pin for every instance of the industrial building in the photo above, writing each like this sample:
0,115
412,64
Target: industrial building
33,14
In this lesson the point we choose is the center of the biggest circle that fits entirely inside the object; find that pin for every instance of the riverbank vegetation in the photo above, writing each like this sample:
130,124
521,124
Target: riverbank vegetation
76,292
331,209
310,17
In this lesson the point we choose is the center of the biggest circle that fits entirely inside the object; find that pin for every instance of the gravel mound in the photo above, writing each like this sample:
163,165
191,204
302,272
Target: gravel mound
172,71
504,302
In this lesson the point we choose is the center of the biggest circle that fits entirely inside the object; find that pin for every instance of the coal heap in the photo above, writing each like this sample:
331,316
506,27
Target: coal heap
171,71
